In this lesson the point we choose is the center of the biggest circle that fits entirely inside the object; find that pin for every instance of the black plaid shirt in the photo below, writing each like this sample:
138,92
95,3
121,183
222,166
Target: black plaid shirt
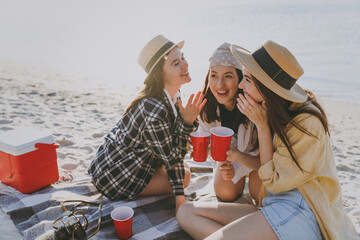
148,135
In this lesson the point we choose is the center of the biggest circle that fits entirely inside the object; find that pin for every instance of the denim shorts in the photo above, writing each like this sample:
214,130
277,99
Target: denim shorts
290,216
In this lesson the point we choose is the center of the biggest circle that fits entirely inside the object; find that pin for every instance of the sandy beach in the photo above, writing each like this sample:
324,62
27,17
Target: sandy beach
79,116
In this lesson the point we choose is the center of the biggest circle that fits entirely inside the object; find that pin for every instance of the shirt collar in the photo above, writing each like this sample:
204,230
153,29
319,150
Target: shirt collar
177,96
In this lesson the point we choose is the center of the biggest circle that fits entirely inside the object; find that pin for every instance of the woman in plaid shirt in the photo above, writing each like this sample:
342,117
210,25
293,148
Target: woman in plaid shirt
143,154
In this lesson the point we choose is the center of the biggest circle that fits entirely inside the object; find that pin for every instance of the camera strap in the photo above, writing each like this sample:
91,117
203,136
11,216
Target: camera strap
71,213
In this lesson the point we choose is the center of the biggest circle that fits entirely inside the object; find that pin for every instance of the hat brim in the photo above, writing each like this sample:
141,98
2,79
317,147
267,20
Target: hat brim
179,45
295,94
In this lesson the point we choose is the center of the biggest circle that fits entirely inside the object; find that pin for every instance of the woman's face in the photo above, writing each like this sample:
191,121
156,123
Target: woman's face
175,70
223,82
248,86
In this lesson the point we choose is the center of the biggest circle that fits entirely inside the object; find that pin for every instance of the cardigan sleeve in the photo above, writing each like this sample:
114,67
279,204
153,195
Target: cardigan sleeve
281,173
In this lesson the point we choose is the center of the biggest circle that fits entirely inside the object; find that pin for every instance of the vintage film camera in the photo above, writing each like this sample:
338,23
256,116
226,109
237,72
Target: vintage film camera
69,225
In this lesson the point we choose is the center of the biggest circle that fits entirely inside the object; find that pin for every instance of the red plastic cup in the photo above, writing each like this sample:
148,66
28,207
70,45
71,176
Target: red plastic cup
123,221
200,143
220,142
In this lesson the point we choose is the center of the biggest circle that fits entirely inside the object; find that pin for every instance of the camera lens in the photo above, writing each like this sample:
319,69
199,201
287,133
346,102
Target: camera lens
62,234
79,232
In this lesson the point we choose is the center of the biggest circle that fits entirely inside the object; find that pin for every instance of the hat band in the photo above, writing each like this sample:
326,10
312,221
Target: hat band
272,69
157,55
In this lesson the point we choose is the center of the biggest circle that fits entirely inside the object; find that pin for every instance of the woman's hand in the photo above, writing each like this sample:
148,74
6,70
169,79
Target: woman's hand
257,113
227,171
192,108
233,155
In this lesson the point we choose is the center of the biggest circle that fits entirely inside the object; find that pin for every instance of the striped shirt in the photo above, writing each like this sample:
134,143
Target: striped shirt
148,135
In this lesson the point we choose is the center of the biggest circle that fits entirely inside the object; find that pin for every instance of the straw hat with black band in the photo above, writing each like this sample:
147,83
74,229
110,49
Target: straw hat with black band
276,68
154,50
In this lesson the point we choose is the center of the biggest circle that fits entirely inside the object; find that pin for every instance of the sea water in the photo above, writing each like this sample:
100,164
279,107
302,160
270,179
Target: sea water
100,40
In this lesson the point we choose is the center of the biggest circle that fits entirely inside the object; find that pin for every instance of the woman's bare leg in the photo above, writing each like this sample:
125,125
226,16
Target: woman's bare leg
187,175
200,219
255,186
227,191
159,183
253,226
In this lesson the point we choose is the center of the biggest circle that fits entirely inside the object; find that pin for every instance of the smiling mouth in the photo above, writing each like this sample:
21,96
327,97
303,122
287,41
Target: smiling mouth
222,93
185,74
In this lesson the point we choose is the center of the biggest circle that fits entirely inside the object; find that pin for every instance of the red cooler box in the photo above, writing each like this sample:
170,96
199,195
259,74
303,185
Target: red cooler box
28,159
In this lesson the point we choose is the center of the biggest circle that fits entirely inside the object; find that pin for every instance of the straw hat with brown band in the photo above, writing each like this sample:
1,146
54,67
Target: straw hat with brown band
275,67
154,50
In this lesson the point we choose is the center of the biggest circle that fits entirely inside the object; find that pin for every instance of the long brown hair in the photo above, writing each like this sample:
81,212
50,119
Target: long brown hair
280,117
209,112
154,85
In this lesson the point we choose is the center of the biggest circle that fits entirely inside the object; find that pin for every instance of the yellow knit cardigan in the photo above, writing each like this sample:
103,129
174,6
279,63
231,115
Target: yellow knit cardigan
319,182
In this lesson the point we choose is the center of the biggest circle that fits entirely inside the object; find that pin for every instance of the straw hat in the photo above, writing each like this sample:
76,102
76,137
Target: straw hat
275,67
154,50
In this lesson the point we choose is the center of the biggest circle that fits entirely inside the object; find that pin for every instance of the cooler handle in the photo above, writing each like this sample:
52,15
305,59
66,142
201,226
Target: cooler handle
46,145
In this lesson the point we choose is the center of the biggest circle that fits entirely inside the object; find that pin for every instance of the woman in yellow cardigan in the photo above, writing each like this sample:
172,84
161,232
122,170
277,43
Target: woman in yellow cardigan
301,195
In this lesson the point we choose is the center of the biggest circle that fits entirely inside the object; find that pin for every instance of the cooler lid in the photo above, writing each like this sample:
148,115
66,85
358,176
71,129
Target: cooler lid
22,140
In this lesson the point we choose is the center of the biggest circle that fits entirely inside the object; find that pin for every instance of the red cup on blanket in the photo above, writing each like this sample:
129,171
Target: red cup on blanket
220,142
200,143
123,221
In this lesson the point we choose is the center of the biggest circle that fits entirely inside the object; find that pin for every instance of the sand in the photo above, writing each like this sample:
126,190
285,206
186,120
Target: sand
79,116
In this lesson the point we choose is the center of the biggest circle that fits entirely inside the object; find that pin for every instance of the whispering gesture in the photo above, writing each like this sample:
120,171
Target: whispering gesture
254,111
192,108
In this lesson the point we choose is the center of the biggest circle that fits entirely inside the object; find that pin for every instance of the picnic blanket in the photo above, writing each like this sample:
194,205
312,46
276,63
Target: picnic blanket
154,218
